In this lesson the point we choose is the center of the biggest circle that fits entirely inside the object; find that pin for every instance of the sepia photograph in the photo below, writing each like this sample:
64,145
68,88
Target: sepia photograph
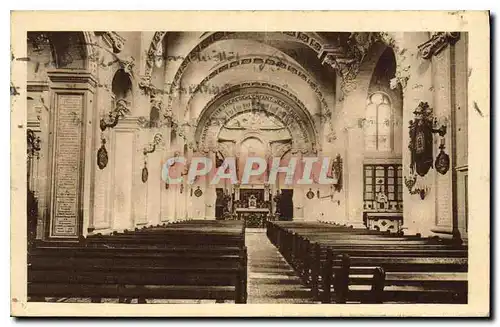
220,167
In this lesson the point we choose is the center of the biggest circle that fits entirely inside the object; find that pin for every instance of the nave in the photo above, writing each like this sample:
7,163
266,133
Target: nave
199,261
119,209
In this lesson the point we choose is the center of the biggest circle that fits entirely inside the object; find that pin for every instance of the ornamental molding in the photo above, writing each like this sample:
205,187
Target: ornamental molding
347,63
114,40
437,43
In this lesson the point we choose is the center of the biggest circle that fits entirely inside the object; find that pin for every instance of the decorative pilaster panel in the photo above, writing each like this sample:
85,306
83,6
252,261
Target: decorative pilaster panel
71,144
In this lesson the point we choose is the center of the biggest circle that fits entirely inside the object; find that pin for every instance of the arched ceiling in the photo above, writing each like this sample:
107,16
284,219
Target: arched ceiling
200,66
306,47
292,61
260,97
225,53
261,68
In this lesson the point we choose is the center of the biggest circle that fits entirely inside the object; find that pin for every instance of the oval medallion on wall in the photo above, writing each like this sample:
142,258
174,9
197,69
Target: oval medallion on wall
442,162
145,174
198,192
102,157
310,194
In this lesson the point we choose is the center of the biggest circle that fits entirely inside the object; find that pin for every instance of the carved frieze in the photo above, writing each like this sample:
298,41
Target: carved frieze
348,62
437,43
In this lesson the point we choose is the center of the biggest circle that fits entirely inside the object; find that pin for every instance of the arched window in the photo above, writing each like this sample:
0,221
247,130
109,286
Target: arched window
378,124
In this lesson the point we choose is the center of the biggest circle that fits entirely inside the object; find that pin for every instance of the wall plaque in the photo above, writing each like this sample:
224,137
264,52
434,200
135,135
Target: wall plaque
68,143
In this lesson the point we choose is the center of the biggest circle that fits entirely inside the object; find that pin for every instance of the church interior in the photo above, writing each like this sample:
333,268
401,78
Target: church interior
106,110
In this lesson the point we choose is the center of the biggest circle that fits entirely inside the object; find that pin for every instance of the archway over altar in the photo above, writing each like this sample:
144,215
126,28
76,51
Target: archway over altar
255,120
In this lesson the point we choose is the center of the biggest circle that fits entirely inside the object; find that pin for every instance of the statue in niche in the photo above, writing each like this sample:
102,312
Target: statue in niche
252,202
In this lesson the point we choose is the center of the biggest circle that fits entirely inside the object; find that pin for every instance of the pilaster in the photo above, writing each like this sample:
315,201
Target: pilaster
419,214
71,172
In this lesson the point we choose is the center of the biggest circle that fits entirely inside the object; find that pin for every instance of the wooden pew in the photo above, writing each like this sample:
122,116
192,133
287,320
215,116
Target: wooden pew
204,233
135,273
438,269
187,260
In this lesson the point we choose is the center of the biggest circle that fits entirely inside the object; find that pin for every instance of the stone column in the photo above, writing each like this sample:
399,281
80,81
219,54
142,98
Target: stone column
298,194
73,154
353,109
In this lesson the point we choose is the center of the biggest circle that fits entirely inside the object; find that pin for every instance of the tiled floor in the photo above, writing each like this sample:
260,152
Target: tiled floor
270,277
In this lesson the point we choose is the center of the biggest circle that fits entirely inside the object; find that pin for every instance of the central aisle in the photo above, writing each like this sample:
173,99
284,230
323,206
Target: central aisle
270,277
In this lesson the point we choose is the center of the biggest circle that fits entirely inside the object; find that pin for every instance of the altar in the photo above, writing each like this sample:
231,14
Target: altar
254,217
